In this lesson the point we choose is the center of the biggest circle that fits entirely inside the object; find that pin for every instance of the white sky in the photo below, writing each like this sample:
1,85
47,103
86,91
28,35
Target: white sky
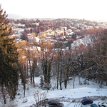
87,9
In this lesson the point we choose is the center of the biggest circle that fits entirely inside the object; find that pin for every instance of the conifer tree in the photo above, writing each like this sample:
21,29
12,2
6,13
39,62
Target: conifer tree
8,59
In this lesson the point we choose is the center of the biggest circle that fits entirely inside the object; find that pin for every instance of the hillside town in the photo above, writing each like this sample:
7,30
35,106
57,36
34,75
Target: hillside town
65,31
52,62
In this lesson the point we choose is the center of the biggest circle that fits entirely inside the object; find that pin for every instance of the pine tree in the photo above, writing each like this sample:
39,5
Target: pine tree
9,59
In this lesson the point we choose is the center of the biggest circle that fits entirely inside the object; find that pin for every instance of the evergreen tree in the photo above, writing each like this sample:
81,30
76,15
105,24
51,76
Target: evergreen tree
46,67
9,59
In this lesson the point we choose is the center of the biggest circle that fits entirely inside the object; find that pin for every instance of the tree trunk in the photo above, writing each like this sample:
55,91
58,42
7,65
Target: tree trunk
57,74
73,81
3,93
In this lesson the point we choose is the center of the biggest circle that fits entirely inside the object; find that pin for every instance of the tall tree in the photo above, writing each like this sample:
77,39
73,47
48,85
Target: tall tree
9,59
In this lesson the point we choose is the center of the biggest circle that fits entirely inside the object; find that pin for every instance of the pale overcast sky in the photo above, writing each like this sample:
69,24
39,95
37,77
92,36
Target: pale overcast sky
87,9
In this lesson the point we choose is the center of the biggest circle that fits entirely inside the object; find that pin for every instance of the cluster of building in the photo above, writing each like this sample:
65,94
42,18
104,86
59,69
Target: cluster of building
65,31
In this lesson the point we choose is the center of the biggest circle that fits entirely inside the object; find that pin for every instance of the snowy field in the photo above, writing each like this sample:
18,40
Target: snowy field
78,91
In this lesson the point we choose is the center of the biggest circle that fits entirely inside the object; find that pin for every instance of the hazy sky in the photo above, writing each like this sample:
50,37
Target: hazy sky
87,9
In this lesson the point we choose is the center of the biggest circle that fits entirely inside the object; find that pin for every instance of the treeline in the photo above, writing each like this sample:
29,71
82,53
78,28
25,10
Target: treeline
88,61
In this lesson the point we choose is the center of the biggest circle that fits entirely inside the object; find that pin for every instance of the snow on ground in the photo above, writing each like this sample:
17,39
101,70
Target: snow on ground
78,92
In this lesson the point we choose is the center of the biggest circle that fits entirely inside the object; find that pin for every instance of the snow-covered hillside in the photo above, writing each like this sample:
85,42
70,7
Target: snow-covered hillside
66,94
